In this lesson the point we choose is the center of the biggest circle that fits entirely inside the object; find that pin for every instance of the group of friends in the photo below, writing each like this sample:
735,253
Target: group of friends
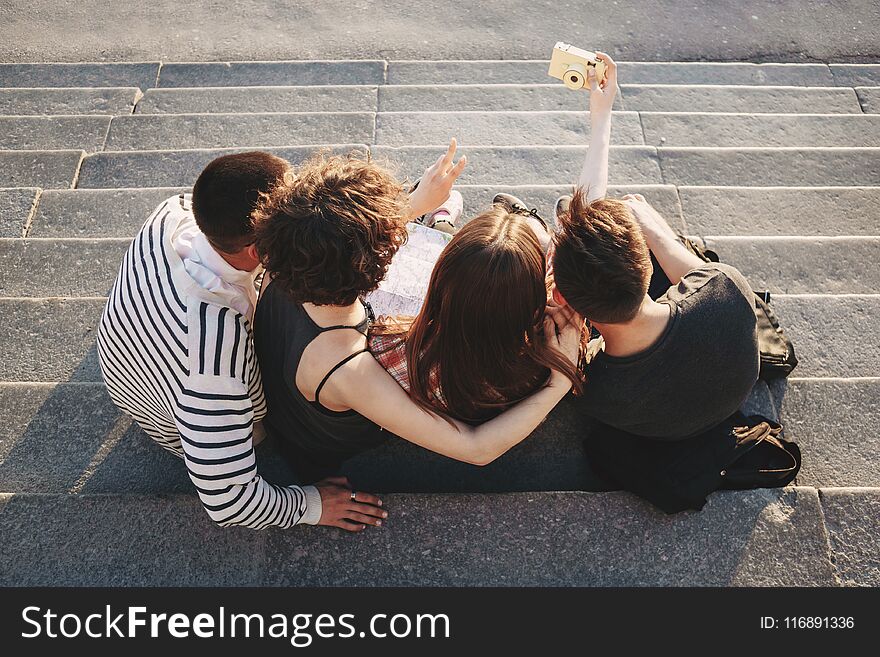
244,309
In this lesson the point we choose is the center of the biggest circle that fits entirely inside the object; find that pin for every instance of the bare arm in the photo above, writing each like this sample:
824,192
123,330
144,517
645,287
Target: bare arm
673,256
594,174
372,392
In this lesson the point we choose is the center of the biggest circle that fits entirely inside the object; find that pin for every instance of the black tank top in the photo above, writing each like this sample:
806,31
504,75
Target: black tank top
282,331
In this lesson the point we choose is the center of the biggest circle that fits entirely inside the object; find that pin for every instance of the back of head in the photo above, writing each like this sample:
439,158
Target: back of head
480,326
601,263
227,192
328,232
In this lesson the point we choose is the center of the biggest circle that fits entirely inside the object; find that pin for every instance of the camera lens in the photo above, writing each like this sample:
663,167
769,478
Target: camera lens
574,79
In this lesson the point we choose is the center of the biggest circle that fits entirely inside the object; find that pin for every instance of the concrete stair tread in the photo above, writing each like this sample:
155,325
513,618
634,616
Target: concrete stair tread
777,166
764,537
77,267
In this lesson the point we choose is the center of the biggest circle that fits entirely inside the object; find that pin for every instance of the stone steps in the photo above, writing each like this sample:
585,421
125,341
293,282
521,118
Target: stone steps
757,538
777,166
63,267
824,328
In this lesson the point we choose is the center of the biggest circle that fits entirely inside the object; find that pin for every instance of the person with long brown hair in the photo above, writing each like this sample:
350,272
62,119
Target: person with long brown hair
326,236
476,346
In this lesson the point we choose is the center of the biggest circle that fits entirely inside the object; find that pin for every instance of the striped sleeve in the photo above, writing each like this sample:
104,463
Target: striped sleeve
215,417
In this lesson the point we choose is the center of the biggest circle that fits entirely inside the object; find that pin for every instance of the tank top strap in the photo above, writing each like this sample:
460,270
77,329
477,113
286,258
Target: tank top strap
361,327
333,369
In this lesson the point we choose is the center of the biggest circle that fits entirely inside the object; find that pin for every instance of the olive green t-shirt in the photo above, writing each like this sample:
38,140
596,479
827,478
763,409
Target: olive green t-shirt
695,375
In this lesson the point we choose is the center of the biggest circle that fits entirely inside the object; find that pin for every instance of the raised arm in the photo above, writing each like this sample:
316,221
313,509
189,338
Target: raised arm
594,174
376,395
673,256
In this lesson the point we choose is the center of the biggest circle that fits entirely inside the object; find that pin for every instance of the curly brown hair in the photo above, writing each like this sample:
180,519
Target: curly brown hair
328,232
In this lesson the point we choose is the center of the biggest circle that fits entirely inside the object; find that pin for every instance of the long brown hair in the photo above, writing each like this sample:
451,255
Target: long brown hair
479,336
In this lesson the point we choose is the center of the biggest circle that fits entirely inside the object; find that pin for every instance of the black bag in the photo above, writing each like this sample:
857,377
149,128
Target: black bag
740,453
777,352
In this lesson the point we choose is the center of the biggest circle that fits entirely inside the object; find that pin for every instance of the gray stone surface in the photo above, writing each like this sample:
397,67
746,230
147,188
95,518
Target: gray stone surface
763,130
169,168
478,198
37,133
749,30
831,333
804,265
96,212
247,74
836,422
529,165
59,267
760,538
771,166
46,169
738,98
259,99
67,540
535,72
852,516
485,97
16,206
156,132
869,97
100,74
49,434
856,75
49,339
781,211
499,128
67,101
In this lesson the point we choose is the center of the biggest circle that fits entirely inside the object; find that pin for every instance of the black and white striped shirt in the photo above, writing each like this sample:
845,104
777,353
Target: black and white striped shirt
179,359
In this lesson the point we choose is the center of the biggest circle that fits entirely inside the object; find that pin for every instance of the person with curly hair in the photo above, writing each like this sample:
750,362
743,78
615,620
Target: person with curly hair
326,237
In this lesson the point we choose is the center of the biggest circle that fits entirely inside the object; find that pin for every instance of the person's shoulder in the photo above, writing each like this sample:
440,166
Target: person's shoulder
713,278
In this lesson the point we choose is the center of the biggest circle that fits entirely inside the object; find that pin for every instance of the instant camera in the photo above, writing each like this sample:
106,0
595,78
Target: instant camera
571,64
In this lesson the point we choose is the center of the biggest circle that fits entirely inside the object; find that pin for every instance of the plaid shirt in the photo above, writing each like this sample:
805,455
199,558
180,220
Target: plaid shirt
390,351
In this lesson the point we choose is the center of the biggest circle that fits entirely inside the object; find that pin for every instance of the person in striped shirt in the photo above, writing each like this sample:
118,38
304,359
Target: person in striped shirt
176,351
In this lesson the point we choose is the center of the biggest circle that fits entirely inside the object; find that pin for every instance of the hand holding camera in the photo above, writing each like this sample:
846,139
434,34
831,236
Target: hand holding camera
583,69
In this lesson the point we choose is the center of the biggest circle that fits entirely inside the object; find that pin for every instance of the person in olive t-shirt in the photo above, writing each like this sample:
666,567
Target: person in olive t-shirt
673,366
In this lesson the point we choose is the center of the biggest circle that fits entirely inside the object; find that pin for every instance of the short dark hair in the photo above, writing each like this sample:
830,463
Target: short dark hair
327,233
226,193
601,264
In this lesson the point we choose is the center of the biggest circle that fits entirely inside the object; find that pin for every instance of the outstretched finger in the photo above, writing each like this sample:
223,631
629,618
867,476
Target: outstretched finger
455,172
364,518
367,498
446,159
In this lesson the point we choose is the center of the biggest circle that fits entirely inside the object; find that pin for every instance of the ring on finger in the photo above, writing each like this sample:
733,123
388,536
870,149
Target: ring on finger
353,496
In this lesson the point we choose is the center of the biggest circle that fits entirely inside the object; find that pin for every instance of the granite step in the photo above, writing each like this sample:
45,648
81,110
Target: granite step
68,101
526,539
86,267
121,212
187,131
45,169
771,166
99,74
764,130
324,98
700,211
248,74
805,211
535,72
855,75
36,133
172,168
632,97
869,98
17,206
53,339
499,128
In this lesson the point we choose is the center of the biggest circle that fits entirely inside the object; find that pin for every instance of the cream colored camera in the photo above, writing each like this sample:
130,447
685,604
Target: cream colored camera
571,64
